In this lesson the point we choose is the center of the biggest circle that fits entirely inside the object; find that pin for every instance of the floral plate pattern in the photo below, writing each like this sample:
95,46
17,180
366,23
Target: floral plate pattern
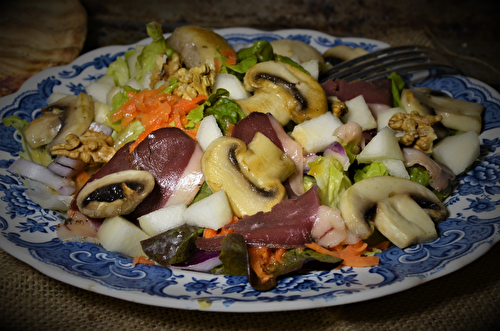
28,232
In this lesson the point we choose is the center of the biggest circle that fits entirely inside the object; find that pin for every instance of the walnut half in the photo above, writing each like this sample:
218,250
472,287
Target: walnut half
91,147
417,129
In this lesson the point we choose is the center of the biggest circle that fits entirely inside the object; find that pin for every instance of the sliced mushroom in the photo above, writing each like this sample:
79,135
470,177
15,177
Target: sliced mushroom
410,103
251,176
358,204
296,48
115,194
457,114
340,53
41,130
72,114
284,91
197,45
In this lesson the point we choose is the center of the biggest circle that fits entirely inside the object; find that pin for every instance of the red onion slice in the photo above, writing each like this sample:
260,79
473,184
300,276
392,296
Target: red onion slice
39,173
100,127
337,151
200,261
66,167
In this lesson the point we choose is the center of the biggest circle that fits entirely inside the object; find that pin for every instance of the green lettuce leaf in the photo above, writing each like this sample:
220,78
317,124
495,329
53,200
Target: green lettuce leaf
225,110
234,256
262,50
293,260
173,246
146,61
119,71
397,86
419,174
371,170
130,133
40,154
331,179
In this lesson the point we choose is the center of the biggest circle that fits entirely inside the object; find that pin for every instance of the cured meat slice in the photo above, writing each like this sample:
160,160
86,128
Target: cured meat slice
374,92
287,225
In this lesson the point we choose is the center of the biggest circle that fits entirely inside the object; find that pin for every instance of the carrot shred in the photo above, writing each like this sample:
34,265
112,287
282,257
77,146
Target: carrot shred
142,260
350,254
230,54
156,110
210,233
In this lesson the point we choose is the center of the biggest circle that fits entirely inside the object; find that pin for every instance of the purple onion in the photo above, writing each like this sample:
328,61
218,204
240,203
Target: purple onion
66,167
39,173
337,151
101,127
200,261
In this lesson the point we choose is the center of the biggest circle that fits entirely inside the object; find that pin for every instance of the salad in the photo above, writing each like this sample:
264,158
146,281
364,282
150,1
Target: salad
245,161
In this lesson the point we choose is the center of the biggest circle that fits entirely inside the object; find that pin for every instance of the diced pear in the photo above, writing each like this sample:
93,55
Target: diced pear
317,133
384,116
232,84
383,146
56,96
396,168
458,152
359,113
99,89
163,219
212,212
208,131
101,111
119,235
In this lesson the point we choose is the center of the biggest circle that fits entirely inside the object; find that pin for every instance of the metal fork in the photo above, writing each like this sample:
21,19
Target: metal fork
381,63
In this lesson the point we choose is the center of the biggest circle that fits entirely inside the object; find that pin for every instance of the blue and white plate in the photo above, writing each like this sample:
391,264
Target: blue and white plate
27,231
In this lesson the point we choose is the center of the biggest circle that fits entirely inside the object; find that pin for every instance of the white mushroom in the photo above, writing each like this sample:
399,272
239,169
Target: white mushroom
389,203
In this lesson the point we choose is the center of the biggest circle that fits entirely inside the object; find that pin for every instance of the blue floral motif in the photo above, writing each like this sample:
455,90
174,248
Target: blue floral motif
346,277
201,285
100,62
32,225
482,205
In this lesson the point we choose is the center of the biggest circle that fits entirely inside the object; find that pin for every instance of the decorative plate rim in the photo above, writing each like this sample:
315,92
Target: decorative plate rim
192,290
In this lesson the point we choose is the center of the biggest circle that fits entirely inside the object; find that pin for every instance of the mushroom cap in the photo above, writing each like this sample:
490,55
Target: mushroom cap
284,91
359,199
303,51
224,169
115,194
197,45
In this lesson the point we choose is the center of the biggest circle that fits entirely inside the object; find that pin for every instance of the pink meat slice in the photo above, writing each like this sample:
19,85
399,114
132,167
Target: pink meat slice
172,157
374,92
287,225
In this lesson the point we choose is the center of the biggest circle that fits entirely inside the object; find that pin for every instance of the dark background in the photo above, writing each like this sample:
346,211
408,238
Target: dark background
468,31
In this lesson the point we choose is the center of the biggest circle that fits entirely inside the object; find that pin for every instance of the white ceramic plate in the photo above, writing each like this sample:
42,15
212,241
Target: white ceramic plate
27,231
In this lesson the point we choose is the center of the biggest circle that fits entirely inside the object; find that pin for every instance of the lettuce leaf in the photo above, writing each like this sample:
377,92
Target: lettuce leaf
234,256
225,110
146,61
262,50
119,71
130,133
397,86
40,154
419,174
173,246
371,170
331,179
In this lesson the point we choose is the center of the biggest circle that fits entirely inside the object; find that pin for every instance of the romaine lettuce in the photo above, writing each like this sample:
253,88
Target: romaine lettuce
371,170
331,179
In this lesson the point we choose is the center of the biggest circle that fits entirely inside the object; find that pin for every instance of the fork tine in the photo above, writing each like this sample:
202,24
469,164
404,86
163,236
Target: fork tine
380,62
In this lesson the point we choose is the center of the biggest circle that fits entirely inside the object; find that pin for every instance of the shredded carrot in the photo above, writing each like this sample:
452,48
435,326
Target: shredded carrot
350,254
258,259
383,245
142,260
217,65
230,54
156,110
210,233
